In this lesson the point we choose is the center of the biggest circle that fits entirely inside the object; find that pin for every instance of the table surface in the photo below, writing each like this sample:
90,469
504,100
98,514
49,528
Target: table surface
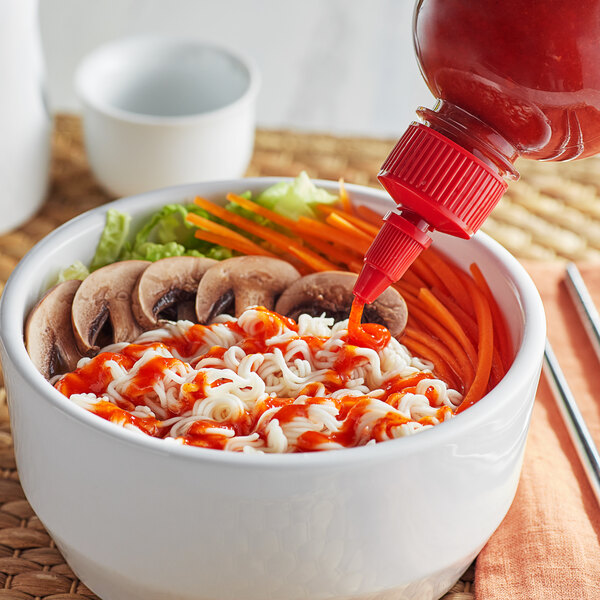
553,213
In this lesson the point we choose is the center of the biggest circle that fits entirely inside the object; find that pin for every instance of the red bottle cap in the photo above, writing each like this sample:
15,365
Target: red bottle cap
441,182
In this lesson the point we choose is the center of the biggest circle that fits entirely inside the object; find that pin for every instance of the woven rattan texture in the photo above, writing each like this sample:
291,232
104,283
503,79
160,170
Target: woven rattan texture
553,212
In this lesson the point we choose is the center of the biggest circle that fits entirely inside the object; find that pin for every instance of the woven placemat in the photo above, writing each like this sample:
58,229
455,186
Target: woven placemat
552,213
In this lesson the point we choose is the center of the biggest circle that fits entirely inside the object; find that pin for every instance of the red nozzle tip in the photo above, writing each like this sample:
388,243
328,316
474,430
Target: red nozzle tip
394,249
371,283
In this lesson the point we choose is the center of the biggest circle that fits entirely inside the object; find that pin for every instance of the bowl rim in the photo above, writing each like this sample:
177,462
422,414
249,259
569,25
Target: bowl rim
82,73
11,338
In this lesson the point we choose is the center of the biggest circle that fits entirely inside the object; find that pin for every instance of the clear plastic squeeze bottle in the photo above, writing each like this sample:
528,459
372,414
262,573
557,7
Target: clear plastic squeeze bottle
512,78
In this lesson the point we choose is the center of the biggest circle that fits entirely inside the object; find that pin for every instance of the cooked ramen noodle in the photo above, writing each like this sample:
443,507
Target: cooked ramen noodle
262,383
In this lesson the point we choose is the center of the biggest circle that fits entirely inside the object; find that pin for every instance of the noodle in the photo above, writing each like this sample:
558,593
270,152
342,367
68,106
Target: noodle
261,383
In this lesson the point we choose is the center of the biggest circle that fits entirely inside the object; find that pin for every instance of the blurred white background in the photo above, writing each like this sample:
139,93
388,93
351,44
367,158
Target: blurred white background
346,67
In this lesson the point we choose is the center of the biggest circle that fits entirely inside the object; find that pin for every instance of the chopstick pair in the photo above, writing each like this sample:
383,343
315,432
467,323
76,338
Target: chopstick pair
572,417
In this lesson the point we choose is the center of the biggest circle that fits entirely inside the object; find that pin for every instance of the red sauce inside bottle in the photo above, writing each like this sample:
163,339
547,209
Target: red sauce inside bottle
524,73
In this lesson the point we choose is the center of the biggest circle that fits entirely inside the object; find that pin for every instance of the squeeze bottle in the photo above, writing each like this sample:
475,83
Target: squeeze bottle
512,78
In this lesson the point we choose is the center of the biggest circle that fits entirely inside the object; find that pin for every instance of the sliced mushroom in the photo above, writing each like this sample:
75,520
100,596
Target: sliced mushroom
48,334
330,292
104,298
168,286
236,283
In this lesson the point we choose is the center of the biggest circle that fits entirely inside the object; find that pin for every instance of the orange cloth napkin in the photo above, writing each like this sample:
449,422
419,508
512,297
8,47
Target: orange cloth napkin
548,546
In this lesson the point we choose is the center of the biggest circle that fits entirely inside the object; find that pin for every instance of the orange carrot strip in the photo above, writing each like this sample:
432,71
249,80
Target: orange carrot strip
434,344
486,347
448,273
344,225
273,237
262,211
469,324
329,251
434,327
439,311
360,223
209,225
317,229
405,287
246,247
311,259
439,366
369,215
472,330
277,239
411,277
344,198
500,328
334,253
498,370
426,273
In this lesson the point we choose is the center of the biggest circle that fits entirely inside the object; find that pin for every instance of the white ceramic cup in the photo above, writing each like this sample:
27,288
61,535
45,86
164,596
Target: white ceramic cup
161,110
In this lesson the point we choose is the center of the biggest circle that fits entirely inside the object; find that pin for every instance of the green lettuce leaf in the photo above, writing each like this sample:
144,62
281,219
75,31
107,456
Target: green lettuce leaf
112,240
75,271
167,233
296,198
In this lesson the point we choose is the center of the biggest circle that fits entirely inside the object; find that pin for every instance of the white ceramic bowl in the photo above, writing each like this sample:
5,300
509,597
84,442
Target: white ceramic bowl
138,518
161,110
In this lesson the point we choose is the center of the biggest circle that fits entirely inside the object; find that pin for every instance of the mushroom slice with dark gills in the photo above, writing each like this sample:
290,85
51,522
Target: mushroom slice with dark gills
48,333
330,292
234,284
167,289
101,312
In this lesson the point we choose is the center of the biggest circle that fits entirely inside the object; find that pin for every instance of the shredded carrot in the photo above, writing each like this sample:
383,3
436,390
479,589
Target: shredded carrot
404,287
426,273
434,327
485,346
344,198
470,326
498,370
330,234
209,225
344,225
311,259
369,215
278,240
247,247
429,341
439,311
448,273
360,223
342,256
439,366
411,277
262,211
468,323
500,330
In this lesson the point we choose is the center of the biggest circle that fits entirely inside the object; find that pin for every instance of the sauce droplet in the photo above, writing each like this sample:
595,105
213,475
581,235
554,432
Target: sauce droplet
369,335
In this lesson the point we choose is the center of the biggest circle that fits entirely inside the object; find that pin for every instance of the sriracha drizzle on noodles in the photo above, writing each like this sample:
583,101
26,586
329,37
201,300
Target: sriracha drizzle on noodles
263,382
370,335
